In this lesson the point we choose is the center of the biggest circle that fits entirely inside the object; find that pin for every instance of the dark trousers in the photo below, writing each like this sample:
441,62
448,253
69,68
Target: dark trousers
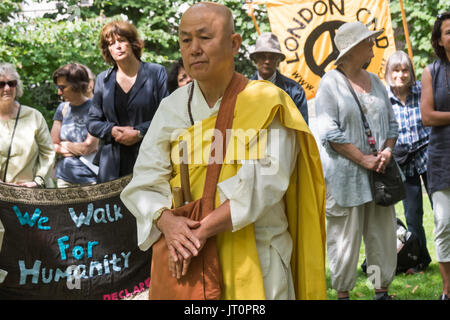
413,206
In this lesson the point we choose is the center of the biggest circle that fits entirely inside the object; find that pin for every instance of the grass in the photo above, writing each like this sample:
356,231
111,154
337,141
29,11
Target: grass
426,285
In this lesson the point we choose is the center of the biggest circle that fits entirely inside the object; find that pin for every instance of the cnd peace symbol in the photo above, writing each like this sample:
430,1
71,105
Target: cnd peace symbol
328,29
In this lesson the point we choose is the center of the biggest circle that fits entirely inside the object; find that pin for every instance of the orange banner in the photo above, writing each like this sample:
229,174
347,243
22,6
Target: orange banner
306,30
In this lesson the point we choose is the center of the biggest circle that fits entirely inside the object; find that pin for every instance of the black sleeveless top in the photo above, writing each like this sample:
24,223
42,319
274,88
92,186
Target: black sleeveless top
438,170
128,154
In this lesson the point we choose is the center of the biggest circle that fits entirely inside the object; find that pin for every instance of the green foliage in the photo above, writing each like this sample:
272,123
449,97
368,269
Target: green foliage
39,46
8,8
420,17
157,22
245,27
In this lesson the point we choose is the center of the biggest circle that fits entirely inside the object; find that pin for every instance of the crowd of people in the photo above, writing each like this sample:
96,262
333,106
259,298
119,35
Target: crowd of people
270,229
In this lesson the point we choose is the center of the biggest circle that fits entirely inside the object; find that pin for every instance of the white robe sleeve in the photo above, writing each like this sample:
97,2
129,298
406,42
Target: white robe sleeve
261,184
149,190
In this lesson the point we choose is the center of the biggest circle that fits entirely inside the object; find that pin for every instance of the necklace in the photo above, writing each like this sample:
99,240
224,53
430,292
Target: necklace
191,93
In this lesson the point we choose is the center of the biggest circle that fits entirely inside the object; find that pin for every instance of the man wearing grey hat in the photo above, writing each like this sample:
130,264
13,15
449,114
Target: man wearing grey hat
267,57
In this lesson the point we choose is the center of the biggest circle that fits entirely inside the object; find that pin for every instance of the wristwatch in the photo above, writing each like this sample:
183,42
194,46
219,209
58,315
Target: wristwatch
158,214
39,181
388,149
140,133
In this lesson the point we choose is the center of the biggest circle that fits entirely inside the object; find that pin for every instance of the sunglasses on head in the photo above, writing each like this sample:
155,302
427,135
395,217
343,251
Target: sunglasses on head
11,84
443,16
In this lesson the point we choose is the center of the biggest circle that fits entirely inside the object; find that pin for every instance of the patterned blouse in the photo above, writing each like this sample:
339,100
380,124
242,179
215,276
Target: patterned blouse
412,134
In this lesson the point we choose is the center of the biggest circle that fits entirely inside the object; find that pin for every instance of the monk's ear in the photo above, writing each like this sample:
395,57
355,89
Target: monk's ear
236,42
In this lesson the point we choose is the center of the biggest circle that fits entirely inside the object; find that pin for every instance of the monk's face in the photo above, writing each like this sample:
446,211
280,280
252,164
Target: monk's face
207,43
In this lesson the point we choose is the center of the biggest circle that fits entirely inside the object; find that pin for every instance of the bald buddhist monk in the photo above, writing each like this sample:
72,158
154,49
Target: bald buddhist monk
255,227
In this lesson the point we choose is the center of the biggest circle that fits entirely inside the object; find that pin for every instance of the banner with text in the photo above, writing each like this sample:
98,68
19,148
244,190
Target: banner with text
71,243
306,31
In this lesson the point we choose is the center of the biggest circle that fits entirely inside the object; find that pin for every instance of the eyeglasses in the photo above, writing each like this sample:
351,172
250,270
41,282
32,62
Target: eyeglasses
62,88
11,84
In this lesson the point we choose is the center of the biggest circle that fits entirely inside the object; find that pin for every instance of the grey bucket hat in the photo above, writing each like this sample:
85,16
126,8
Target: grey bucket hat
267,42
350,34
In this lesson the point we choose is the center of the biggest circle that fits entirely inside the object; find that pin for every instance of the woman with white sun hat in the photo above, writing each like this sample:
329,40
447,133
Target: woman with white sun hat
351,211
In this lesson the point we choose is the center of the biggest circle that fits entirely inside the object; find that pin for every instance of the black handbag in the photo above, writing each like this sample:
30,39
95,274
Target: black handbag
403,156
400,154
388,187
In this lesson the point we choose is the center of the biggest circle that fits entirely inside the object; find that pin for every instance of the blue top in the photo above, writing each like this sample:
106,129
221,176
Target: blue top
439,148
74,129
293,89
412,134
339,121
142,101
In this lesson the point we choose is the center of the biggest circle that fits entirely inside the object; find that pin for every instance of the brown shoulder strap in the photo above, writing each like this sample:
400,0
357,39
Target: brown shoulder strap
224,121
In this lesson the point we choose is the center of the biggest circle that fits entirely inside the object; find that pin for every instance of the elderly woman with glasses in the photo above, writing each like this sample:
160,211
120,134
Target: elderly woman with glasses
435,108
351,211
69,131
26,148
411,148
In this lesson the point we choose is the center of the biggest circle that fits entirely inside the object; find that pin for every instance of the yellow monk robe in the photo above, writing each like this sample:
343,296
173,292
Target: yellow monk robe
256,107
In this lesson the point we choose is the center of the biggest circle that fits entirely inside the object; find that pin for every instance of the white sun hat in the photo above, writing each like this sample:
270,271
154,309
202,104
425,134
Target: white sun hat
350,34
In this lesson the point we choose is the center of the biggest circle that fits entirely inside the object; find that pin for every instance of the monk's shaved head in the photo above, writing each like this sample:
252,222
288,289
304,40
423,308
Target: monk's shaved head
208,45
219,9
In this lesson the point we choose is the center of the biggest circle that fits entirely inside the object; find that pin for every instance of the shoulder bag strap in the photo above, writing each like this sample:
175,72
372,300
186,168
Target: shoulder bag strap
65,109
10,145
370,138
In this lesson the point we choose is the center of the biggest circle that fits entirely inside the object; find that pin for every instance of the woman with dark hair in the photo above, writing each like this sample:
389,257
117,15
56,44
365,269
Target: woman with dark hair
125,99
411,147
90,90
69,133
435,108
177,76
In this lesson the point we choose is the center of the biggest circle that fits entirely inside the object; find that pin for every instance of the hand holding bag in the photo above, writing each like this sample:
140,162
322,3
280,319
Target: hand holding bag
388,187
